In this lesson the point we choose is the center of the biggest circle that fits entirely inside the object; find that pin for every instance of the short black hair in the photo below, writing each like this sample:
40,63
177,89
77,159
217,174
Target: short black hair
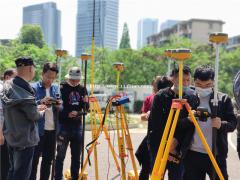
163,82
50,66
8,72
204,73
186,71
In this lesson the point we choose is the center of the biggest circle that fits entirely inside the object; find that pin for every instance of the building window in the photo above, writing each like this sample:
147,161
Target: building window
210,25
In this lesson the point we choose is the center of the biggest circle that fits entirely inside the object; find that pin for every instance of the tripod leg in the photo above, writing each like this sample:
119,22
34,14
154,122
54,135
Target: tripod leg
129,142
94,136
169,142
121,145
210,154
163,143
106,134
95,107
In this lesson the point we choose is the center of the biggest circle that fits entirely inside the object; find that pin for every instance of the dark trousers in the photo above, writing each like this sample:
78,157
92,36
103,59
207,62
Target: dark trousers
197,165
74,137
46,149
20,163
145,172
143,157
175,171
4,160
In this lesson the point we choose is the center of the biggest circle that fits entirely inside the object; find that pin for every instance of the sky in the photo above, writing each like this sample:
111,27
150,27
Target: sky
130,11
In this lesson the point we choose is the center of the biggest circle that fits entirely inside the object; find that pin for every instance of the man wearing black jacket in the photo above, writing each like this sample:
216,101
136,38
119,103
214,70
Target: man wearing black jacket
196,161
74,97
159,114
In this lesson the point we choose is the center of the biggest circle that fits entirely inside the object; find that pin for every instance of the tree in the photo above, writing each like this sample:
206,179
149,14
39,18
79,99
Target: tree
125,40
31,34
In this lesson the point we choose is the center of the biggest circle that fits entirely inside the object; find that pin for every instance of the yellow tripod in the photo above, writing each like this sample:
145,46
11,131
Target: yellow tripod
123,133
177,104
95,112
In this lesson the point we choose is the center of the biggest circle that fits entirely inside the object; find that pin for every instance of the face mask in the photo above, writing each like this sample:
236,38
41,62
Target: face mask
203,92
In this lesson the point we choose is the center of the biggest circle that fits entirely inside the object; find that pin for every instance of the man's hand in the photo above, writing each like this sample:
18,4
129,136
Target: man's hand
46,100
189,118
59,103
238,147
147,115
85,99
73,114
216,122
41,108
1,138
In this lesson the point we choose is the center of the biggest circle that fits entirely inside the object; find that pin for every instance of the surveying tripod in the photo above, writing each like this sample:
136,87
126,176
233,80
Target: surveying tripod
123,133
180,55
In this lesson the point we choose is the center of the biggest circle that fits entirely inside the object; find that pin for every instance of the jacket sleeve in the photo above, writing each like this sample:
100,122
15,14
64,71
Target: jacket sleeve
29,108
237,114
156,112
229,121
1,116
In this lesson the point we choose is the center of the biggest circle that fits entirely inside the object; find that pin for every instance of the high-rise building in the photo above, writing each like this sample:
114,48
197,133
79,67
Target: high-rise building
105,26
49,18
146,27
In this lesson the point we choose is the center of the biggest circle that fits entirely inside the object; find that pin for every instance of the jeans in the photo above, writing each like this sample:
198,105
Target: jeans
46,149
74,137
4,160
20,163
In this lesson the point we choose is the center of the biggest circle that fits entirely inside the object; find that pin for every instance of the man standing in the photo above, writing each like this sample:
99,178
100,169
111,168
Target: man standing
74,98
142,152
158,117
196,160
20,115
4,160
47,94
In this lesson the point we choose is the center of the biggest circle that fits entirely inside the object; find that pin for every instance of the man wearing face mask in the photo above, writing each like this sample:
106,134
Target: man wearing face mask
196,161
158,117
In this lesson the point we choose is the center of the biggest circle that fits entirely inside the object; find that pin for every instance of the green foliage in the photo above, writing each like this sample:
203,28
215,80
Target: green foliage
31,34
142,65
8,54
125,40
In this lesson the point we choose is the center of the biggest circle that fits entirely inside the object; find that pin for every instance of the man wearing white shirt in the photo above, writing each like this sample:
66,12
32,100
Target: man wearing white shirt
48,94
